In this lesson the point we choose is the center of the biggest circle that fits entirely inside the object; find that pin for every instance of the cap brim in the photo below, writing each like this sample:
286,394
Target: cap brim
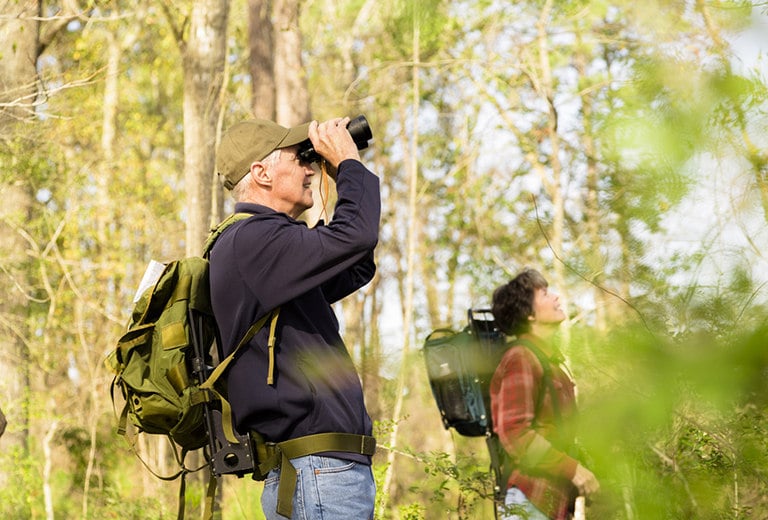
296,135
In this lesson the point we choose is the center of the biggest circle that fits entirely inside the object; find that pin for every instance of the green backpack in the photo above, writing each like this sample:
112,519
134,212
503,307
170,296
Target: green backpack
152,360
162,369
156,366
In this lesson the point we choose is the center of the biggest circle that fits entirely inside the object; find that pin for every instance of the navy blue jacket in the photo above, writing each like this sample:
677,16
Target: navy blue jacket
272,260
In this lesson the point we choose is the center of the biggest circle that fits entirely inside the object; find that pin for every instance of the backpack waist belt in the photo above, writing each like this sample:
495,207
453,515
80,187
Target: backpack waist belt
273,455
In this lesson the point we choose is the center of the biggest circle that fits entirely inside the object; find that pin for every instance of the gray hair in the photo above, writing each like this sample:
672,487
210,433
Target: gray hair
241,190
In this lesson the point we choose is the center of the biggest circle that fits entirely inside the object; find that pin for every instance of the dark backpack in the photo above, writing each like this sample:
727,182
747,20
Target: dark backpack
460,364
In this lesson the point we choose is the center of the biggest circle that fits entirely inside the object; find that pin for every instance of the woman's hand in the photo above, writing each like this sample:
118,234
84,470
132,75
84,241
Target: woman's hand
585,481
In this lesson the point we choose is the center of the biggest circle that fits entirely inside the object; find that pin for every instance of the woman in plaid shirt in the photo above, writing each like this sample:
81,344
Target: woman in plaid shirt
532,427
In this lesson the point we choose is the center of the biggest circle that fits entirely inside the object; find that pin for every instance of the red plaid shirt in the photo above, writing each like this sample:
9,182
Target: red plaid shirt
536,445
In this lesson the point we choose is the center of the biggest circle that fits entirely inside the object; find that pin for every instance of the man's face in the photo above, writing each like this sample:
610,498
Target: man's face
291,185
546,307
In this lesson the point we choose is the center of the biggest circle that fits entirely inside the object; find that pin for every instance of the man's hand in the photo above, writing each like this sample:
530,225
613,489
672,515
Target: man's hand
332,141
585,481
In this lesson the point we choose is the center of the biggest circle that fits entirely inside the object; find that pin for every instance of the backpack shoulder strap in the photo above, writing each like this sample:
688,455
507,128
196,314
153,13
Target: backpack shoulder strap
252,330
208,385
546,367
218,230
530,345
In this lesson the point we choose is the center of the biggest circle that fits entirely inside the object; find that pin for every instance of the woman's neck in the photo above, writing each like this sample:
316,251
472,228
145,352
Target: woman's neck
546,332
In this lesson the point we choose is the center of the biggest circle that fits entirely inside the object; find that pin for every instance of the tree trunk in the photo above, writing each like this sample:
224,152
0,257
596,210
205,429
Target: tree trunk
593,248
554,183
203,61
371,355
291,93
47,470
262,60
19,32
279,82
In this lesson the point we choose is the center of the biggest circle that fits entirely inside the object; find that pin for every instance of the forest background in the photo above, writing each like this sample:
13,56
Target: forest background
618,146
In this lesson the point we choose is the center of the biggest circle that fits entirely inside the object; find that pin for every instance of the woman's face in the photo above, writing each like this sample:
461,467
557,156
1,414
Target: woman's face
546,307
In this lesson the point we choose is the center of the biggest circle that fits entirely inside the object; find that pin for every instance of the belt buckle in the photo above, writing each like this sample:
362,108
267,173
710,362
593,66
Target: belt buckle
368,445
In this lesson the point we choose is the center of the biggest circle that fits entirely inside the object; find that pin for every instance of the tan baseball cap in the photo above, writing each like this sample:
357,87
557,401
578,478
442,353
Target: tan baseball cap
250,141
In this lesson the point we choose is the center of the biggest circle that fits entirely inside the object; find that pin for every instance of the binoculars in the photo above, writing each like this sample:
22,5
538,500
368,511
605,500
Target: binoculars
359,130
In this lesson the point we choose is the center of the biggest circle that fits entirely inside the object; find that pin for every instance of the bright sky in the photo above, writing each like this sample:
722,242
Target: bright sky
751,45
724,213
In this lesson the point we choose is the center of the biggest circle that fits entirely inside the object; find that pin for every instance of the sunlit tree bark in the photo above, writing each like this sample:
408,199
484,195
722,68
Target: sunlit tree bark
291,94
19,39
203,55
261,58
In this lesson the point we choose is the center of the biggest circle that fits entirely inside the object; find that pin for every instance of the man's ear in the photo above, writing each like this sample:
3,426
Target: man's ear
261,175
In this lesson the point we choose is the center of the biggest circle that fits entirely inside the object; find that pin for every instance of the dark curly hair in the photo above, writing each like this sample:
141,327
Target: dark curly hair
513,301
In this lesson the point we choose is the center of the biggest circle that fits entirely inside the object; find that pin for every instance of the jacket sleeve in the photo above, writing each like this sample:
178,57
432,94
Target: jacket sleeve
288,259
349,281
515,388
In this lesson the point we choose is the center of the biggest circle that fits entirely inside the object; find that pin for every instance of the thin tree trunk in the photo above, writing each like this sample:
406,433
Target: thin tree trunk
203,59
554,184
370,358
217,188
546,90
95,403
413,220
593,249
47,464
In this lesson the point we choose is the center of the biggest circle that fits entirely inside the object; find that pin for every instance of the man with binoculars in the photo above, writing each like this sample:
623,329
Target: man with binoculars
295,387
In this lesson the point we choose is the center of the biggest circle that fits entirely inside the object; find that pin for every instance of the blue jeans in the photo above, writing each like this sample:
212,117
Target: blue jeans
518,507
327,488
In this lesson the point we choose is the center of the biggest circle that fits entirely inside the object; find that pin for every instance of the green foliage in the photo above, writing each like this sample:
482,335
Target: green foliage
123,493
19,497
241,500
404,19
673,393
459,486
77,442
674,422
412,512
